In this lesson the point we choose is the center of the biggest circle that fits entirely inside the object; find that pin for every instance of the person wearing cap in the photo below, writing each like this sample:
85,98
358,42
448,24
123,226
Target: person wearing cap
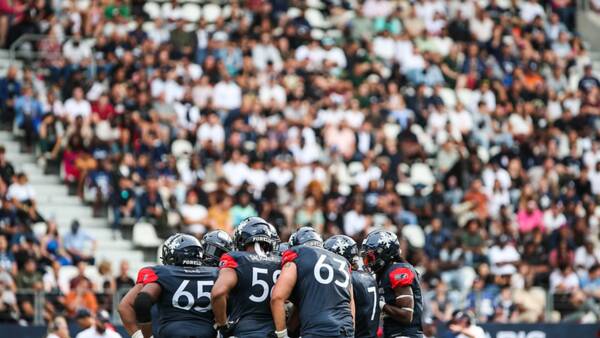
462,325
102,328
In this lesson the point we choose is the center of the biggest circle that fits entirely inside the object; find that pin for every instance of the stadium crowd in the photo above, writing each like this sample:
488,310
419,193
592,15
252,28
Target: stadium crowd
468,127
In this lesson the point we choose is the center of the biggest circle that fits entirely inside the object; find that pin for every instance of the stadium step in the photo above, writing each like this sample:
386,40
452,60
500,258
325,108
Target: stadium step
55,203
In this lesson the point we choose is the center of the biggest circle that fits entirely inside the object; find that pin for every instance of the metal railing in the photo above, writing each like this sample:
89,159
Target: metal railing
39,299
15,51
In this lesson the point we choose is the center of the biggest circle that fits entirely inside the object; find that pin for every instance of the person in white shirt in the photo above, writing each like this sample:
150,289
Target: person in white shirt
100,329
383,46
58,328
212,132
530,9
235,170
334,56
227,94
355,221
272,94
312,54
503,257
76,50
264,53
193,214
77,106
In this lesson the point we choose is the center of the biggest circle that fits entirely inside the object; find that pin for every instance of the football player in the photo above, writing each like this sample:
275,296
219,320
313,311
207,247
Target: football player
246,278
402,304
366,295
179,290
318,282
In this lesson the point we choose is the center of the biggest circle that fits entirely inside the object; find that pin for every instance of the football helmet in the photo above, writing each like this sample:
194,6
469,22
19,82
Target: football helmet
255,230
214,244
344,246
379,249
181,250
306,236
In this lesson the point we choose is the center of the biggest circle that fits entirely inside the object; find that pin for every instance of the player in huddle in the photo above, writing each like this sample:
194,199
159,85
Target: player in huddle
246,278
402,304
366,295
179,289
318,283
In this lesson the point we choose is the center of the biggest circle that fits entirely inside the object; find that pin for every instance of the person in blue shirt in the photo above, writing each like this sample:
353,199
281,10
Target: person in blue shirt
29,111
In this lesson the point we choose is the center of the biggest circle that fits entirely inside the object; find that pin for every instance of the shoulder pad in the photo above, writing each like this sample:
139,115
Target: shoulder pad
146,275
227,261
401,276
288,256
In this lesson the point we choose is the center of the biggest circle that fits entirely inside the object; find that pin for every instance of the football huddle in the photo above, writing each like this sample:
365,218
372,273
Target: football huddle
255,286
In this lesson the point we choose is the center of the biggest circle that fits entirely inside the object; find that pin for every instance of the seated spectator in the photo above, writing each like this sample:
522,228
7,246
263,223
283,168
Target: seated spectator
29,111
81,297
79,245
28,280
529,217
123,203
503,257
243,208
22,195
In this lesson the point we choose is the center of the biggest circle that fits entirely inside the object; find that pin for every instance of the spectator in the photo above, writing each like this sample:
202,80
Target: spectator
22,195
123,280
28,280
79,245
81,297
58,328
101,328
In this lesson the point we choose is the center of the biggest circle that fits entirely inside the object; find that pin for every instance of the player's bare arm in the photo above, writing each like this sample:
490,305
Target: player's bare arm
226,281
403,308
281,292
142,305
127,312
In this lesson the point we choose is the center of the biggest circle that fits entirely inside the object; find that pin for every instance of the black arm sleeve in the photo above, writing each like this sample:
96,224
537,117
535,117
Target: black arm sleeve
142,306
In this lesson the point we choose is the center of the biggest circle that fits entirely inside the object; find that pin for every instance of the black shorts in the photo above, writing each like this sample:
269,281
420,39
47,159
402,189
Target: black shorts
185,330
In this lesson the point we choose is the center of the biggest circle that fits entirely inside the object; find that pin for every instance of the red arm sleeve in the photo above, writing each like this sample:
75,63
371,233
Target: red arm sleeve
401,277
288,256
227,262
146,276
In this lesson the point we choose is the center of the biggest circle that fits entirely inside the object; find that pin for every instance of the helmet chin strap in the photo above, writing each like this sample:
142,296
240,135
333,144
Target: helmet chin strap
258,249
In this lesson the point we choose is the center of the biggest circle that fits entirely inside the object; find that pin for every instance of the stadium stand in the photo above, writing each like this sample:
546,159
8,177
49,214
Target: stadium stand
468,127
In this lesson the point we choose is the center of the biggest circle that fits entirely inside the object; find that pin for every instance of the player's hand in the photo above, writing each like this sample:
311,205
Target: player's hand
225,331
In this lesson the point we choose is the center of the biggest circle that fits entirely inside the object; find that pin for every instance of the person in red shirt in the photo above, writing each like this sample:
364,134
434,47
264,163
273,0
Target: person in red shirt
102,110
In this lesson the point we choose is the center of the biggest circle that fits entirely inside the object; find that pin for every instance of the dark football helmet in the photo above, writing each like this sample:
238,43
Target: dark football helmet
214,245
343,246
379,249
282,247
306,236
255,230
181,250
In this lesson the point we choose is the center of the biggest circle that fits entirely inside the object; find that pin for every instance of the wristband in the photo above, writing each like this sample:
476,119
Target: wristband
381,304
282,334
137,334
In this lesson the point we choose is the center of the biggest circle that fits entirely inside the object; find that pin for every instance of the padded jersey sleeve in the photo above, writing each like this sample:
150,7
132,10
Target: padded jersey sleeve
227,261
401,276
288,256
146,275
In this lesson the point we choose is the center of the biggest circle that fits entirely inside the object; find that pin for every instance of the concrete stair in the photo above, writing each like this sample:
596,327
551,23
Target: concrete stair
54,202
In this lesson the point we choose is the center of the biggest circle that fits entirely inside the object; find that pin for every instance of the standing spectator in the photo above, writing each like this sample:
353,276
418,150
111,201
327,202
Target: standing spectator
28,280
81,297
123,280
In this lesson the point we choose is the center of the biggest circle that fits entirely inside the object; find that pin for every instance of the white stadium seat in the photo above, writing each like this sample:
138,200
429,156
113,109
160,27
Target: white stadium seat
144,235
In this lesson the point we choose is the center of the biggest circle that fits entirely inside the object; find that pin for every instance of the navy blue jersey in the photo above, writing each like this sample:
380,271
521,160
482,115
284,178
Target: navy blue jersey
251,298
322,292
366,300
399,275
184,308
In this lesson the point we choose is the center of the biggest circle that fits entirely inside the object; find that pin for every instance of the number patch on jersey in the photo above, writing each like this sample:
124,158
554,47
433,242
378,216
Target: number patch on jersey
262,282
202,291
321,267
